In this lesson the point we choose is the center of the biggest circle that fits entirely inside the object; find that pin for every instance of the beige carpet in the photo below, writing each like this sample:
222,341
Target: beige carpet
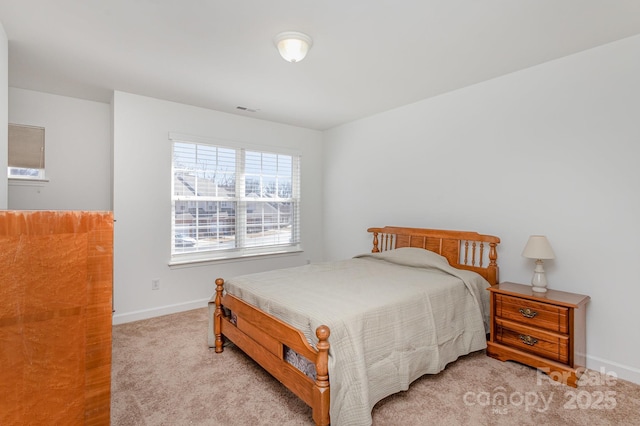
164,374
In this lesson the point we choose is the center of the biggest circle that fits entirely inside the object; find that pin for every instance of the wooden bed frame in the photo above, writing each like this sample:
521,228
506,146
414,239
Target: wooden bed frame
263,336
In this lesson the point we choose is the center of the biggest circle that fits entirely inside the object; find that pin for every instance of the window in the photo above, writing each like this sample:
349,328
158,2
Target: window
230,201
26,152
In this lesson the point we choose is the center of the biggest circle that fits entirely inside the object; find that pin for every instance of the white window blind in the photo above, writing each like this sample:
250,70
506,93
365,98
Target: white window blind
232,201
26,152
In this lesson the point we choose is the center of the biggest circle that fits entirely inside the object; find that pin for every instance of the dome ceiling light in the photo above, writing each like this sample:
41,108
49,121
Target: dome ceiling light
292,45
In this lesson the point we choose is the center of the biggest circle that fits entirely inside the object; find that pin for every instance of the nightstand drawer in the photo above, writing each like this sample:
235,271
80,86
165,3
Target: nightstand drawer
535,314
549,345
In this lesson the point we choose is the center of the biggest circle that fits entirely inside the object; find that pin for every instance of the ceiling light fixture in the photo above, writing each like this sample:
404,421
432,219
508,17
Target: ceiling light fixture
292,45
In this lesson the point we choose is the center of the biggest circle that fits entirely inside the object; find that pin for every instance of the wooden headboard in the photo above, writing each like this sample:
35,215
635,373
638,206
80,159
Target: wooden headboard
463,249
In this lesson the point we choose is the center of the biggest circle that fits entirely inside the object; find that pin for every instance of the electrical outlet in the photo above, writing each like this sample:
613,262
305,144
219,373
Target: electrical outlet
155,284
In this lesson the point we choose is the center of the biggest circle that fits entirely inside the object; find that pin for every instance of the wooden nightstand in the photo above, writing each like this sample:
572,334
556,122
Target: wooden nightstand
542,330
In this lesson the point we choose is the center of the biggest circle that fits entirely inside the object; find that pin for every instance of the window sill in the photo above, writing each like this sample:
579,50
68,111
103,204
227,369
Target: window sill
14,181
194,260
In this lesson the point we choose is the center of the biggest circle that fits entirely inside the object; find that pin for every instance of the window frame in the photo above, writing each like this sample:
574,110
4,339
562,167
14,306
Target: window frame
26,163
241,199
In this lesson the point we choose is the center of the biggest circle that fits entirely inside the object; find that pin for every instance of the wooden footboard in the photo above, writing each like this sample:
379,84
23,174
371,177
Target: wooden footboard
263,337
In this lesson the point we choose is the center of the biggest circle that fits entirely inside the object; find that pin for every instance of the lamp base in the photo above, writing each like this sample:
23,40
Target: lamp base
539,280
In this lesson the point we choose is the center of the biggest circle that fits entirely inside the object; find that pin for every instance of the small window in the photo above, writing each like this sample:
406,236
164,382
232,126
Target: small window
232,201
26,152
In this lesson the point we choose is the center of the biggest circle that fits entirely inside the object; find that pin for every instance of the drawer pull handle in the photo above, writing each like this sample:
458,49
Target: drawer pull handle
527,313
528,340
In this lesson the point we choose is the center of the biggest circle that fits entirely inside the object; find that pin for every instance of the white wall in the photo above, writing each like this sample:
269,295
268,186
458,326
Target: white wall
142,208
552,149
77,152
4,112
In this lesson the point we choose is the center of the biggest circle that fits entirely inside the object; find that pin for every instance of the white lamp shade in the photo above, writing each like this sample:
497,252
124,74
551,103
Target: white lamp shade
293,46
538,247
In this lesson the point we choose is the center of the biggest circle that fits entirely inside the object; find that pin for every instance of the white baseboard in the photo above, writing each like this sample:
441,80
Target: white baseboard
624,372
156,312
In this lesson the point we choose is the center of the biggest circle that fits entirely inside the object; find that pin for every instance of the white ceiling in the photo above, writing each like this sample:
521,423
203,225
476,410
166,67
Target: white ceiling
368,55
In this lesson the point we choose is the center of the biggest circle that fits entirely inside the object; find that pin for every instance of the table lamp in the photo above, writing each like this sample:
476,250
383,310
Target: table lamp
538,248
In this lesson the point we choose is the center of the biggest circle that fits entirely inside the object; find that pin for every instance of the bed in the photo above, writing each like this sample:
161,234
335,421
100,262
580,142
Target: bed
343,335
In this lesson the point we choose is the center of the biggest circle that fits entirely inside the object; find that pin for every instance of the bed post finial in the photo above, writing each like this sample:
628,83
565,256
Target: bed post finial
217,315
321,404
493,264
493,254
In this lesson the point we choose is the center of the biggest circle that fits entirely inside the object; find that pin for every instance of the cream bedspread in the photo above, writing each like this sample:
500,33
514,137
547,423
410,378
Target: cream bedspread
393,316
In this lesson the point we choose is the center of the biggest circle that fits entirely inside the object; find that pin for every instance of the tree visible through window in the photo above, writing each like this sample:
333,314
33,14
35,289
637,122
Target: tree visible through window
229,202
